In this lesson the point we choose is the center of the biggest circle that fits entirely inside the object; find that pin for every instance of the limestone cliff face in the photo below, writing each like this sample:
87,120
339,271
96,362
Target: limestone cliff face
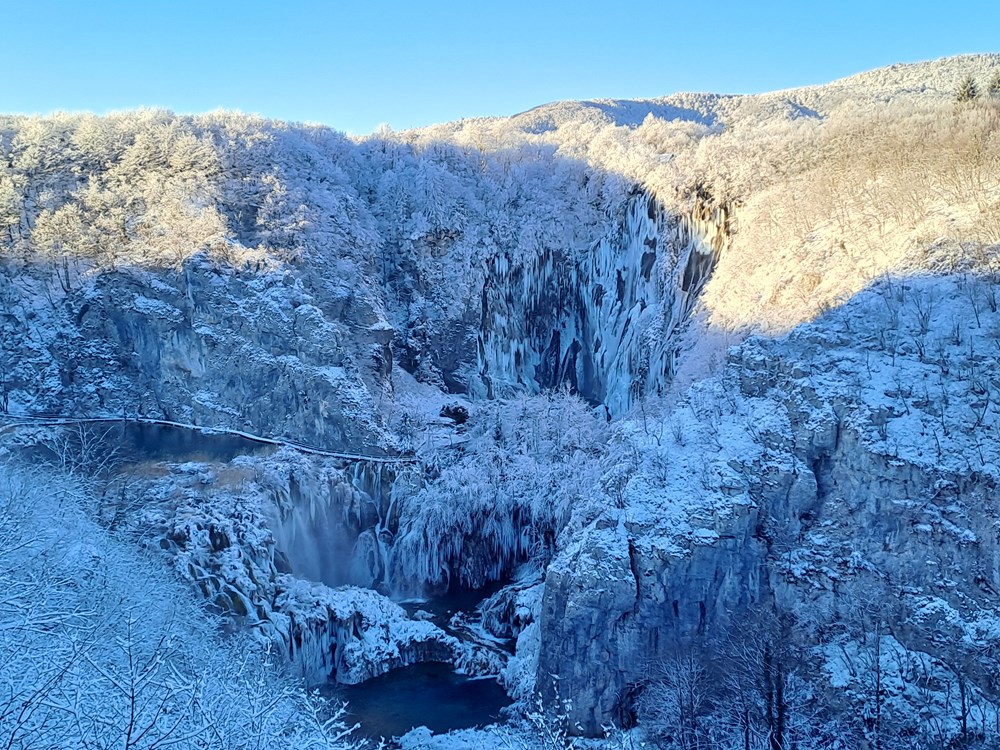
616,602
267,351
852,504
282,350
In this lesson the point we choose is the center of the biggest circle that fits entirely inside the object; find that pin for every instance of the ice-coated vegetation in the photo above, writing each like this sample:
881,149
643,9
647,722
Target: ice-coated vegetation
100,647
504,497
706,385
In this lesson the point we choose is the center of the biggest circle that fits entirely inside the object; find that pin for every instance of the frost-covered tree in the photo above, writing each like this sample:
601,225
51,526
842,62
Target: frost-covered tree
993,87
967,90
504,498
99,647
674,704
10,208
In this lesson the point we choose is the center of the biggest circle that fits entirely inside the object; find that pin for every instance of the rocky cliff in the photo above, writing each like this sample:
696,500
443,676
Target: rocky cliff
815,483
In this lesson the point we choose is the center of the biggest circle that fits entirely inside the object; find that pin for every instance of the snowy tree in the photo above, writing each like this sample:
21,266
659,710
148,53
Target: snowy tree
10,208
967,90
100,648
504,502
676,700
993,87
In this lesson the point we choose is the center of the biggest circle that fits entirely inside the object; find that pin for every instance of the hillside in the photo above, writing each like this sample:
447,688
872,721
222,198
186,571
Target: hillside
703,386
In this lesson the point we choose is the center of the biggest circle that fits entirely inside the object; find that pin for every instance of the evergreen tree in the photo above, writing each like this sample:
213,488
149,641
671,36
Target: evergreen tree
967,90
993,87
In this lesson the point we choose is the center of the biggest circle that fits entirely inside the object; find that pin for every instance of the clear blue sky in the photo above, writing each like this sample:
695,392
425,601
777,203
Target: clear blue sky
354,65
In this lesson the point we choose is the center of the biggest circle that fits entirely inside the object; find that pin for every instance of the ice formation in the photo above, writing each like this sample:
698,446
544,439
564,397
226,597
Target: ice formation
603,320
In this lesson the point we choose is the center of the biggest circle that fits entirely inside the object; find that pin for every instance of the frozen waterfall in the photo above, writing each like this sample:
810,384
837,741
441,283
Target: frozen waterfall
602,322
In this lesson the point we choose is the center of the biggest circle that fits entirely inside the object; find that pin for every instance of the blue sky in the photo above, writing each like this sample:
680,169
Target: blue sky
354,65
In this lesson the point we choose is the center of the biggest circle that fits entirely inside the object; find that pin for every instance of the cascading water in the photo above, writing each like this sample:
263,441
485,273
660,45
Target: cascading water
332,525
315,529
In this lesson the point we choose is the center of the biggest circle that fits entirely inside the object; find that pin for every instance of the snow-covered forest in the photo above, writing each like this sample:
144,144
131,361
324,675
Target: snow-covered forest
701,391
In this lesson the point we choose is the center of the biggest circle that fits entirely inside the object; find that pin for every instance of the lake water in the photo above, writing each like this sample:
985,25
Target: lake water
154,442
457,599
429,694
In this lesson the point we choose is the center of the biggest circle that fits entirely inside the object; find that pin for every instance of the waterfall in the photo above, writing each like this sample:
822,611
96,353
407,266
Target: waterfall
602,321
332,523
315,526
